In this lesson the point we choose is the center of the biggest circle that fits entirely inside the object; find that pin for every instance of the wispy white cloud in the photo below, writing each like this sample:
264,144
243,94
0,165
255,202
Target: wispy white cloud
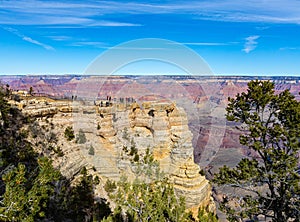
205,43
271,11
59,37
73,14
261,28
250,43
135,48
63,21
104,45
28,39
37,12
90,43
289,48
112,24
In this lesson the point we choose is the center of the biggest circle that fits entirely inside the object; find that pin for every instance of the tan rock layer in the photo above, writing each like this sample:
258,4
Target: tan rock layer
160,126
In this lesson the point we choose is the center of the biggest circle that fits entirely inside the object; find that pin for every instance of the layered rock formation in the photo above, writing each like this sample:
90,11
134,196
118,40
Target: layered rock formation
198,89
117,132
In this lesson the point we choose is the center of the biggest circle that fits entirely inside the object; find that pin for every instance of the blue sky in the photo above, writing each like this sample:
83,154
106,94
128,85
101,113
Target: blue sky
255,37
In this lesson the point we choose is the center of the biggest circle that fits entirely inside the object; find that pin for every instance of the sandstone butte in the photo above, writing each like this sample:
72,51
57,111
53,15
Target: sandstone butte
160,126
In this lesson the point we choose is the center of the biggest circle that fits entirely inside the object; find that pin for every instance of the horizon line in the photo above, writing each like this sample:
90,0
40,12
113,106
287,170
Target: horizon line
157,74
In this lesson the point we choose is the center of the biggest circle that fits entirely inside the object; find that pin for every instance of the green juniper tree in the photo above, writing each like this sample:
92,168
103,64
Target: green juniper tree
270,126
27,179
140,201
27,194
82,198
150,197
69,133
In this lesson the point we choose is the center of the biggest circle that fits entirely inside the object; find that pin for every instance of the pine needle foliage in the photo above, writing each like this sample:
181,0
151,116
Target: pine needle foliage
269,179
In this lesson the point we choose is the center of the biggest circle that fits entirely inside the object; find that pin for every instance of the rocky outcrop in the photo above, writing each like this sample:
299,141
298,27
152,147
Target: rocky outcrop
116,130
191,185
43,107
162,127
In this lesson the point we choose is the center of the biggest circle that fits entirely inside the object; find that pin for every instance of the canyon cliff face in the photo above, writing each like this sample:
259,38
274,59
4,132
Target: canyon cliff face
114,133
117,132
204,98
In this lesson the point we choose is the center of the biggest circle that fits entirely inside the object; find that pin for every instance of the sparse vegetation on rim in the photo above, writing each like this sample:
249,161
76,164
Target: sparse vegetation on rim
69,133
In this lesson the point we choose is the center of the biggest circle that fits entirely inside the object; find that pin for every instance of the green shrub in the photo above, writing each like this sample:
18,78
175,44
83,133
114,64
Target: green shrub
136,158
59,152
204,215
110,186
201,172
69,133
